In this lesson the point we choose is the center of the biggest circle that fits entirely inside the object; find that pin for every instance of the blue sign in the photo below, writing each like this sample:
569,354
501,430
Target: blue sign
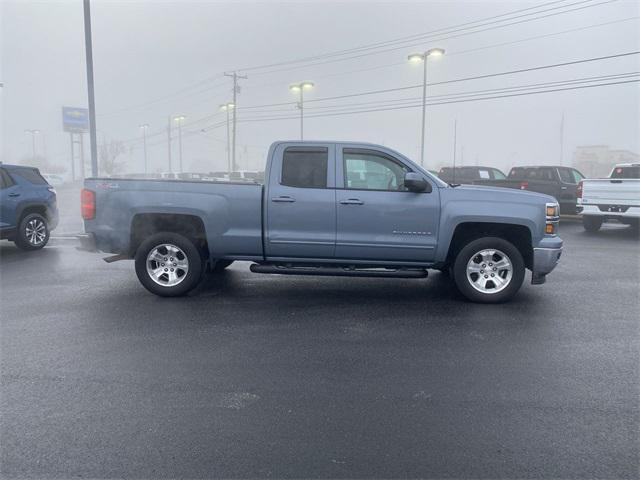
75,119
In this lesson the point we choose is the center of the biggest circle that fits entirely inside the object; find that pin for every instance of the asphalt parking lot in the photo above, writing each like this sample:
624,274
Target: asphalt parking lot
263,376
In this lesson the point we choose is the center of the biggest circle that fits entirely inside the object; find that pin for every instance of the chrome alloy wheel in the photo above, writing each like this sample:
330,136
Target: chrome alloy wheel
489,271
35,232
167,265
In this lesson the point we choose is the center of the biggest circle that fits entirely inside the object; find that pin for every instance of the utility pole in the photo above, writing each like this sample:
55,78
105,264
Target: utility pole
169,142
562,140
455,143
236,90
226,108
91,94
33,134
144,143
179,119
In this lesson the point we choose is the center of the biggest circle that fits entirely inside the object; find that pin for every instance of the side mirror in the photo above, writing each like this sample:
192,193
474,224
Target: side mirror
416,183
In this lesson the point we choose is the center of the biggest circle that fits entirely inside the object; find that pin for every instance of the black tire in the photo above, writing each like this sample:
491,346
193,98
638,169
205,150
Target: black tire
220,265
33,232
185,250
591,223
465,284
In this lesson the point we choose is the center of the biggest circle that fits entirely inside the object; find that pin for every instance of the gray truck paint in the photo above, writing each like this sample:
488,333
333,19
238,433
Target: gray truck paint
275,222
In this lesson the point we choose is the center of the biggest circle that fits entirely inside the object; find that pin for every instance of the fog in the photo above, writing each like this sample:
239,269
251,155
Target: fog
154,60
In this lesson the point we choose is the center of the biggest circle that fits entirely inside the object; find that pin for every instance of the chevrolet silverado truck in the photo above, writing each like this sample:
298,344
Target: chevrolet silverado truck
325,208
614,198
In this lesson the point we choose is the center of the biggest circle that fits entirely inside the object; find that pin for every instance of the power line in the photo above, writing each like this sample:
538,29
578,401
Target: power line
445,30
437,39
443,102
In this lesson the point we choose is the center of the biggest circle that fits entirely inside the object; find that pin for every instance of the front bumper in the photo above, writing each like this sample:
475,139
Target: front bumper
545,258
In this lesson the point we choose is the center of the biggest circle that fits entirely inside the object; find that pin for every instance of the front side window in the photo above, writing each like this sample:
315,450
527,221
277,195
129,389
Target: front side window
5,181
566,175
305,167
372,171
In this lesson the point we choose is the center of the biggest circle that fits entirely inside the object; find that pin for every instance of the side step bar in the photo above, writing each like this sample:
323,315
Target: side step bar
338,271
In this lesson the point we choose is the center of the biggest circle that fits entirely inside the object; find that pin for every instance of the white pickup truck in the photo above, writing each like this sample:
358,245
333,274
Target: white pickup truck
613,198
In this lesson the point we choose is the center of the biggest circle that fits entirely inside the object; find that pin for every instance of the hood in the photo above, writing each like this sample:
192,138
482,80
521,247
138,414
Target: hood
509,194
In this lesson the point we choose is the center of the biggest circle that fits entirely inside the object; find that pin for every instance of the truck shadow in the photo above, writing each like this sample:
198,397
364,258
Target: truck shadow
10,254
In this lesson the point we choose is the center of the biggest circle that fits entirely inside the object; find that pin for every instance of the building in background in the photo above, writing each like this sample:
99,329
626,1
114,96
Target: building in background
597,160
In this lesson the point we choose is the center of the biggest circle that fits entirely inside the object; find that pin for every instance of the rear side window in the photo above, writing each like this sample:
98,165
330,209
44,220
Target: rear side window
305,167
626,172
5,179
31,175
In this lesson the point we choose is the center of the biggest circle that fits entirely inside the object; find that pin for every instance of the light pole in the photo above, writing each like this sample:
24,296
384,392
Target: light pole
144,128
417,58
300,88
33,141
227,107
179,119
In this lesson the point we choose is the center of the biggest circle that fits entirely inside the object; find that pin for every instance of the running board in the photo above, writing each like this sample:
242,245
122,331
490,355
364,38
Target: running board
333,271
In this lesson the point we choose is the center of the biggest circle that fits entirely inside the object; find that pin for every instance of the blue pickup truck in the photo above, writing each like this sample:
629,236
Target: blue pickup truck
326,208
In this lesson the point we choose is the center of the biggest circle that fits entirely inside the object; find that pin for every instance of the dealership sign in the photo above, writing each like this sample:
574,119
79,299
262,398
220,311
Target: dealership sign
75,119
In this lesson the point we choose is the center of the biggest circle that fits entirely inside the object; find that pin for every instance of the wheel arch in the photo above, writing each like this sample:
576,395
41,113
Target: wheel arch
144,225
517,234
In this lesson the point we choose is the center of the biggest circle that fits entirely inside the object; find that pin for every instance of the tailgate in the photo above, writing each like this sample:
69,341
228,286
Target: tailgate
611,192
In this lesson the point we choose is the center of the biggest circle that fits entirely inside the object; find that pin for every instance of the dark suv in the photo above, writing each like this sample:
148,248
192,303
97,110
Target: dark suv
28,209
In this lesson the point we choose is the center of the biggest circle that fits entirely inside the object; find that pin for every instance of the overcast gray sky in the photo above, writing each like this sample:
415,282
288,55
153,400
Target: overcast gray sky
154,59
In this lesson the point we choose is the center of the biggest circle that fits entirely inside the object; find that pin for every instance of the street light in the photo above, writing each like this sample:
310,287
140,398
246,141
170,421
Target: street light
300,88
33,141
417,58
144,128
227,107
179,119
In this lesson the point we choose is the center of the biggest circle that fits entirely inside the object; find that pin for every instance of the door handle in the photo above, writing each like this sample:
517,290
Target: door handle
283,199
563,188
14,194
352,201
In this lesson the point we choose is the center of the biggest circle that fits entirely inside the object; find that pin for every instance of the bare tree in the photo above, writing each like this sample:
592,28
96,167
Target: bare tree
43,164
108,154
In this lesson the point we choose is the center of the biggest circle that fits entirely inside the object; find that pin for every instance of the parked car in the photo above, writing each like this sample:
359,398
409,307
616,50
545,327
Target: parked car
345,209
559,182
614,198
468,175
28,207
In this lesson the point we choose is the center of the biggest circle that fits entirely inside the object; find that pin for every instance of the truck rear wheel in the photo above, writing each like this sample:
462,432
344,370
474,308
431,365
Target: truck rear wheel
168,264
489,270
591,223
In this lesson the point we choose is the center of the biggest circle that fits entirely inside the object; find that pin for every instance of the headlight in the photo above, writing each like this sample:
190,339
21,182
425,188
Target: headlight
552,217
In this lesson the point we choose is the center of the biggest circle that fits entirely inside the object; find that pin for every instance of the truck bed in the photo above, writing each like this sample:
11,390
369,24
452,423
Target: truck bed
232,212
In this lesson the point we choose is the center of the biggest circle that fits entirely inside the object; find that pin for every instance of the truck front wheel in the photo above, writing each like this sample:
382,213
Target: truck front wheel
591,223
168,264
489,270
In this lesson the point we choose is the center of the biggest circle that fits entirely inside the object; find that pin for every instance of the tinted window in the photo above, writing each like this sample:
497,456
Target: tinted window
305,167
566,175
5,179
626,172
371,171
497,174
31,175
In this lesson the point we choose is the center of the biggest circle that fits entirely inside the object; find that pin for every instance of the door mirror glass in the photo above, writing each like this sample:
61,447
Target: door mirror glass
416,183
